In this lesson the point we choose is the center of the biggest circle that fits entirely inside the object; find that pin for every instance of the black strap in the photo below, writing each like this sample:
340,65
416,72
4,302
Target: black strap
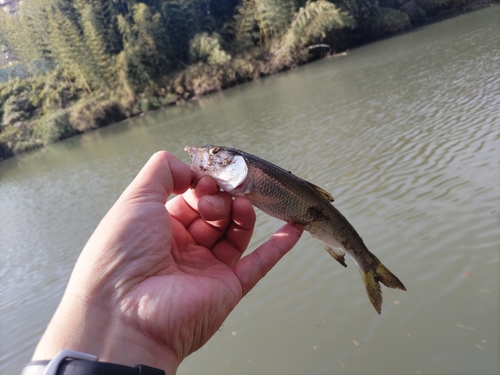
84,367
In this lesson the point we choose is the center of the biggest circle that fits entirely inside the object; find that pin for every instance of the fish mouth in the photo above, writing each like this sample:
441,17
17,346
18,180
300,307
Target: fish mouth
194,154
191,149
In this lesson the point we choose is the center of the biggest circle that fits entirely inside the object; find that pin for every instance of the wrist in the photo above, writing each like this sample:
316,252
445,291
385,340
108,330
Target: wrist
70,362
98,332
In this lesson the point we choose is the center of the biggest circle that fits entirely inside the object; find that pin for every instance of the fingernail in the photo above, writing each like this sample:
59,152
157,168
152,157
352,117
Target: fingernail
215,200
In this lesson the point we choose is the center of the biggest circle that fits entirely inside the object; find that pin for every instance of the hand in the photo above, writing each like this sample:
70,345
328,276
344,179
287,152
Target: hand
156,280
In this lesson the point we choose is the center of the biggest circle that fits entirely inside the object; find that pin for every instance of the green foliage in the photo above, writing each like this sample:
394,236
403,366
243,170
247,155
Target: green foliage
183,19
145,46
70,50
102,61
17,108
67,66
207,49
258,21
54,92
102,14
54,127
33,27
146,104
376,18
92,113
313,22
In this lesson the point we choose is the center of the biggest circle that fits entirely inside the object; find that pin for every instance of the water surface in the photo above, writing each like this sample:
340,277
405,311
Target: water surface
405,135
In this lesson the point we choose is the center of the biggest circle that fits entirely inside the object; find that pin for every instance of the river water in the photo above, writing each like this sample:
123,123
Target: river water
405,134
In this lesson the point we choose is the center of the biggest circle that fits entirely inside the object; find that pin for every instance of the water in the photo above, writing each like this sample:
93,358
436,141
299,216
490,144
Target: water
404,133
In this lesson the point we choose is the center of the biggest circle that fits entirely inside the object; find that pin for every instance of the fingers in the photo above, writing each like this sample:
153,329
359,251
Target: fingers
215,220
204,211
237,236
252,268
206,200
215,217
162,175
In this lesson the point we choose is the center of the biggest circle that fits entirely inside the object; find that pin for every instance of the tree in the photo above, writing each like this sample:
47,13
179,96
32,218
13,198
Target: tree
261,20
377,17
311,24
146,49
69,50
104,66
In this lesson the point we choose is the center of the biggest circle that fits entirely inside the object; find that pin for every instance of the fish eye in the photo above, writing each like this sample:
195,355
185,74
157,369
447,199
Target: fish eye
214,150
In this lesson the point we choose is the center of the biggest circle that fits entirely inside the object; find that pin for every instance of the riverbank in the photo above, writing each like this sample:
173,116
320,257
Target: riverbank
48,107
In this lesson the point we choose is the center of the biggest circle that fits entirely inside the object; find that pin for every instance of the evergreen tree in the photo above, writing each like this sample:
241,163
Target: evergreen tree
183,19
69,49
144,57
102,14
104,67
34,20
10,36
258,21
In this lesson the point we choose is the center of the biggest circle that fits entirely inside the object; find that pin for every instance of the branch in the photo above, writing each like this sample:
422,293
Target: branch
319,46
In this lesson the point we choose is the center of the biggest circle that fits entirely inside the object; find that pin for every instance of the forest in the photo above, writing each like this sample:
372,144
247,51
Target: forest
69,66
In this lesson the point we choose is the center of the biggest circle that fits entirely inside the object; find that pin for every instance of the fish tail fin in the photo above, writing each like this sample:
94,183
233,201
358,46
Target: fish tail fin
372,278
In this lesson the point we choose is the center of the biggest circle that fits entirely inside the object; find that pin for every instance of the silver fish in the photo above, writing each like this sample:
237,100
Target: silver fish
285,196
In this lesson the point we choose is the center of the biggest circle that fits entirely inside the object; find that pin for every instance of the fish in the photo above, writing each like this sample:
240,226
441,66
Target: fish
281,194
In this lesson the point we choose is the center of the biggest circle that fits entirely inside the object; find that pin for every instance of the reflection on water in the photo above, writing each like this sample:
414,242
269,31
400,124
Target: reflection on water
405,135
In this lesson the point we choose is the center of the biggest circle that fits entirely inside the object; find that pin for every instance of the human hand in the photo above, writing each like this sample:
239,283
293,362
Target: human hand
156,280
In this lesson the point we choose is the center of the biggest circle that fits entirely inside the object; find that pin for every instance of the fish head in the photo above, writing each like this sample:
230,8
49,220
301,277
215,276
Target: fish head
225,165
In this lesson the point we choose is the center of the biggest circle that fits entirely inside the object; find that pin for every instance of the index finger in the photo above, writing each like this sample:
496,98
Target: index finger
252,268
230,248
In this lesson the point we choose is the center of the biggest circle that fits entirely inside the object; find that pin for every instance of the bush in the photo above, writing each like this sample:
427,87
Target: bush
25,145
149,103
91,113
207,49
55,127
17,138
8,140
17,107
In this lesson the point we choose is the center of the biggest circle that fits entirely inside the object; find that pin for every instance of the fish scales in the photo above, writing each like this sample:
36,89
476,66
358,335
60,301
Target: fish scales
285,196
290,198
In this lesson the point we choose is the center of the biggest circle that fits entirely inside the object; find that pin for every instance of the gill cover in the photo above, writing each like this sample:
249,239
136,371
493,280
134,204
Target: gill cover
227,168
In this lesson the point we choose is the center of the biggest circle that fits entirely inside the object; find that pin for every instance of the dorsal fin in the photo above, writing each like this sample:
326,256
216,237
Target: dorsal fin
322,192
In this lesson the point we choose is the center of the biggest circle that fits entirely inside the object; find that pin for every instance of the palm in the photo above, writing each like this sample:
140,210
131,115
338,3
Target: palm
189,291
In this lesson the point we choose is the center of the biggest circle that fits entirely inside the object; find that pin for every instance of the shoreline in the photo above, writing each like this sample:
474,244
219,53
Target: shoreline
196,80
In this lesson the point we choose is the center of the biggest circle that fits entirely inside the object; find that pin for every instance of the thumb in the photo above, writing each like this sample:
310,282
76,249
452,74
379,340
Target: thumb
162,176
